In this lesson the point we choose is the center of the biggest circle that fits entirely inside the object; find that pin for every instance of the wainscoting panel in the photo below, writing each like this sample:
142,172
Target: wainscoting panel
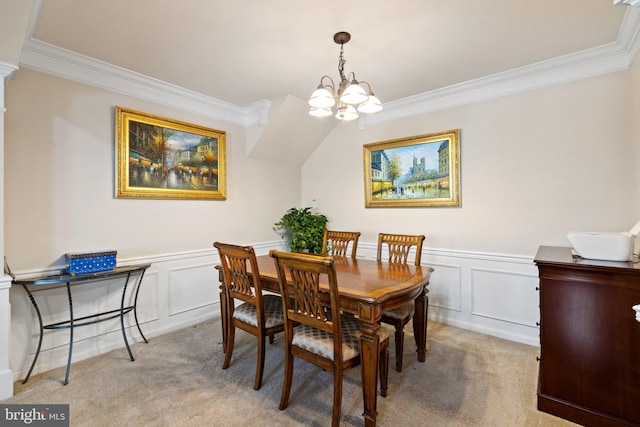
488,293
148,299
445,286
498,293
191,287
517,292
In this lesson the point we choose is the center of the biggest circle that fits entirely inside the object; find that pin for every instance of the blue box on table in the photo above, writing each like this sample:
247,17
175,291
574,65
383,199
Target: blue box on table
90,262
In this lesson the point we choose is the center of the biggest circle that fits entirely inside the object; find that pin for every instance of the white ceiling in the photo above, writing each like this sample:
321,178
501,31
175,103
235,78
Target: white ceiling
254,63
244,51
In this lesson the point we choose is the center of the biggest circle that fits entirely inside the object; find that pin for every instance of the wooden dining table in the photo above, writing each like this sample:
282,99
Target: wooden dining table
366,288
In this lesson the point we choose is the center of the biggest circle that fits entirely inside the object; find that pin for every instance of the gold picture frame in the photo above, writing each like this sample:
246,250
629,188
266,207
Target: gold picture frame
417,171
162,158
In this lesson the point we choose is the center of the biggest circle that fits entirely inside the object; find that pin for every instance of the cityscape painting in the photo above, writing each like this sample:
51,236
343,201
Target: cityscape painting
418,171
161,158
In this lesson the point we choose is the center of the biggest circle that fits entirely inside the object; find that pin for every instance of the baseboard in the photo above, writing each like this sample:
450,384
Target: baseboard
6,384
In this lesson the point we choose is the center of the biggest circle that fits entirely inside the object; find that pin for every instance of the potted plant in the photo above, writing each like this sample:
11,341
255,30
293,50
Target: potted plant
303,229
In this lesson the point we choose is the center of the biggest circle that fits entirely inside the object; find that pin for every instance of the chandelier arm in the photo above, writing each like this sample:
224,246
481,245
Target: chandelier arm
369,92
352,78
325,85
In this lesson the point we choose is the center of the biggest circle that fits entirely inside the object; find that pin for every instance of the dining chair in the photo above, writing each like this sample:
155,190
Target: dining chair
398,248
257,313
336,243
315,330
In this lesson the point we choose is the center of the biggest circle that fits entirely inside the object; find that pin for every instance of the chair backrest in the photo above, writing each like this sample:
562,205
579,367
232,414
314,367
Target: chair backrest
339,243
241,275
399,246
303,299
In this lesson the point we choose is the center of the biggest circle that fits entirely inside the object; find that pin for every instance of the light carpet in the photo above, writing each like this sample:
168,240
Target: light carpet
468,379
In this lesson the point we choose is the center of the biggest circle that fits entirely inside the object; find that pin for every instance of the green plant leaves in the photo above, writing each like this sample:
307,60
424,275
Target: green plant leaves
303,229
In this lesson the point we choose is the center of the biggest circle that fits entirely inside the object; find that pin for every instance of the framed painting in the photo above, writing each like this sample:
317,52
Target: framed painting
418,171
162,158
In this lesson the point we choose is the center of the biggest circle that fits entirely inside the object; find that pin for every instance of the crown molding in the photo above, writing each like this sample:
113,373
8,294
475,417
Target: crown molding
581,65
6,75
611,57
629,33
608,58
628,2
66,64
7,70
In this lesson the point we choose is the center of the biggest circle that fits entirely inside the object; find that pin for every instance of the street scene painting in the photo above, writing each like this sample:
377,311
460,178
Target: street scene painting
162,158
418,171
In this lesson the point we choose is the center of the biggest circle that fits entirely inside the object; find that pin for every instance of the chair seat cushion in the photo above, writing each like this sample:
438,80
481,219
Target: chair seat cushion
400,312
321,343
246,312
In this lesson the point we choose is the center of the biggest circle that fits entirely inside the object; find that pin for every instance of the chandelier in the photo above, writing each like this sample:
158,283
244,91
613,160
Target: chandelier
349,97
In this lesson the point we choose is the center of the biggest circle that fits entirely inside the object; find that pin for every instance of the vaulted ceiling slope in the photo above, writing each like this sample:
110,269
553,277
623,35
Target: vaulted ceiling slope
255,63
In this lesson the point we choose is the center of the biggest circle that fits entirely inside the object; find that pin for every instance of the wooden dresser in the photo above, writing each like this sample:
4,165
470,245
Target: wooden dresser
589,339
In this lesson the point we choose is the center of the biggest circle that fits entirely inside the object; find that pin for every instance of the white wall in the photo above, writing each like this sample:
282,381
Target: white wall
533,166
59,197
635,113
60,182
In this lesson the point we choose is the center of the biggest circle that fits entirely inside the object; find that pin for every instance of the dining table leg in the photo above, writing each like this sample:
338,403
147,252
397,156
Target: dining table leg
420,324
369,355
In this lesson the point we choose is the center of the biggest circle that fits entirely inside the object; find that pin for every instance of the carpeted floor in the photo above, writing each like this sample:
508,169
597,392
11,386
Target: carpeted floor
468,379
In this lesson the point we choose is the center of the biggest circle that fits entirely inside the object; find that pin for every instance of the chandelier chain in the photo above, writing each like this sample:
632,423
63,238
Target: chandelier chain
341,62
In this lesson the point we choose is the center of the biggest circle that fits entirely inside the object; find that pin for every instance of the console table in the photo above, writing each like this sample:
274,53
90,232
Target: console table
589,339
44,283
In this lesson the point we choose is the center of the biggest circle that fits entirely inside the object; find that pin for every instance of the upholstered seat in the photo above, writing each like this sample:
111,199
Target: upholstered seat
321,343
272,308
258,314
314,329
398,248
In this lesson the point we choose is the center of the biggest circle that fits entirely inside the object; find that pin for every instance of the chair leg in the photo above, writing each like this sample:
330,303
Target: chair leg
223,316
384,370
230,341
288,375
399,337
260,366
337,397
415,336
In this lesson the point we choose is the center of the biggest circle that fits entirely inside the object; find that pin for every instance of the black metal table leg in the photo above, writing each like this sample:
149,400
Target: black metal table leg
135,306
66,377
35,358
124,335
